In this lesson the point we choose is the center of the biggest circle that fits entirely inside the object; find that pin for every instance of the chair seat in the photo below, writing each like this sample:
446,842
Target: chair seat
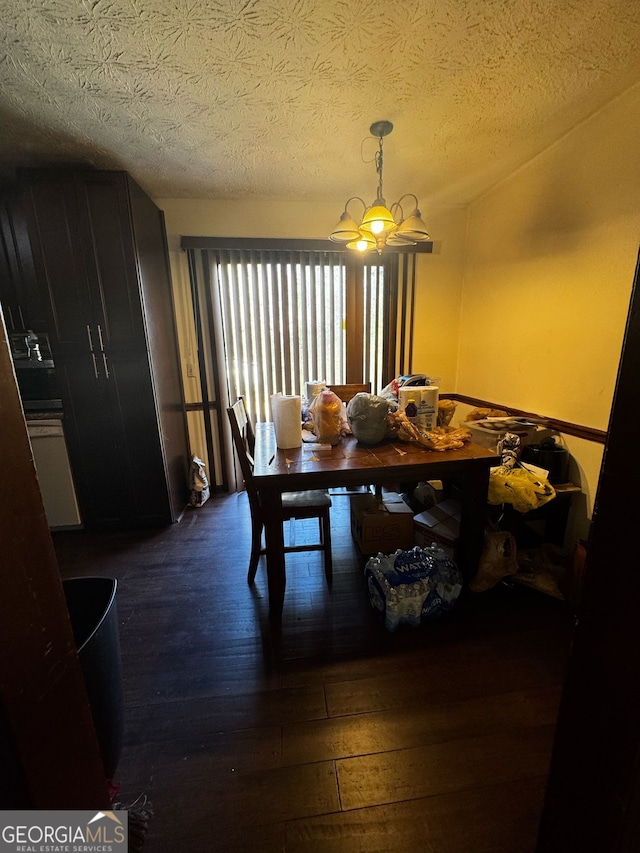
312,497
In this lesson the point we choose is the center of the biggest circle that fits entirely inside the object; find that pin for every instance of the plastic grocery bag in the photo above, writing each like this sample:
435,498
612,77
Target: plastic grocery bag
498,560
367,416
518,486
199,483
327,414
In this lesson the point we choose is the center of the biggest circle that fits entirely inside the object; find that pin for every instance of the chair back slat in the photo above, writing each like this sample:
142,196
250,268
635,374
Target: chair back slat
244,427
347,392
241,432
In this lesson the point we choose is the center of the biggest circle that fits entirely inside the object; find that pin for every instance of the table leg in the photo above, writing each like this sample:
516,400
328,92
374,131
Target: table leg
475,487
274,538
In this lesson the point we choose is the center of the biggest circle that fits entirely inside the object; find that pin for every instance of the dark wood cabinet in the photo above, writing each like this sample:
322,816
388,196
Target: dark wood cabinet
101,263
19,296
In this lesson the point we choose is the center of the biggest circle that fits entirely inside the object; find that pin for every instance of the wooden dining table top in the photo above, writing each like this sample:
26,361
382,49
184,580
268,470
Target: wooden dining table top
349,462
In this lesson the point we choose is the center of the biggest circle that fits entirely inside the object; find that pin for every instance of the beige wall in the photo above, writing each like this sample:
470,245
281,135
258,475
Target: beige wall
549,266
438,298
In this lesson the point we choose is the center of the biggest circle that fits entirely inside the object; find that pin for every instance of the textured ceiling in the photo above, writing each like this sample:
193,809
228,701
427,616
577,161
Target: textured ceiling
274,98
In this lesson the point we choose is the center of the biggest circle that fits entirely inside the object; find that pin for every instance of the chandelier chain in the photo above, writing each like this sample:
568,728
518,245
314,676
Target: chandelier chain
379,167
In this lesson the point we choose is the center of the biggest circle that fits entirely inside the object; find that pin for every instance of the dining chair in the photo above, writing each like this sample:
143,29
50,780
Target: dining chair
295,505
347,392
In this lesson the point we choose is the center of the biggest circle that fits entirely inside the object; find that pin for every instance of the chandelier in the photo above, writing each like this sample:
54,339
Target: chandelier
381,225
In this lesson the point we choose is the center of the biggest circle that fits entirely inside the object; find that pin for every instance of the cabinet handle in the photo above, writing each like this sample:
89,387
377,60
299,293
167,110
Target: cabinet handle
90,339
11,323
95,366
100,336
104,361
22,323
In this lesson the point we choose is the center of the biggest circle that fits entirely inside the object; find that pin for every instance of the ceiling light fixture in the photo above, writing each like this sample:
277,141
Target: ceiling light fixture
381,225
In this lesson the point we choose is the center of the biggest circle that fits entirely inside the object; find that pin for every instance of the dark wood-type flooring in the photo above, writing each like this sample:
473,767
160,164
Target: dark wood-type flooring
337,736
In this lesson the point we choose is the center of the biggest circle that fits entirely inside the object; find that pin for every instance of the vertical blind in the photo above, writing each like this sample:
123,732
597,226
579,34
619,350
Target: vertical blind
376,325
286,319
283,322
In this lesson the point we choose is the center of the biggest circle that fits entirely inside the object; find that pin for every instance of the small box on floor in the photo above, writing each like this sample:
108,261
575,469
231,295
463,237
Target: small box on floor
440,524
412,586
381,524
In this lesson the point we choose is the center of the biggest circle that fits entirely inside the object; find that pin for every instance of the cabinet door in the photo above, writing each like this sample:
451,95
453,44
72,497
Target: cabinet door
114,444
52,217
8,284
91,441
105,230
135,429
19,295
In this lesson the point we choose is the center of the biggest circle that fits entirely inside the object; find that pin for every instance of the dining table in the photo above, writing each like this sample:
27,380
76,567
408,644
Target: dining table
350,463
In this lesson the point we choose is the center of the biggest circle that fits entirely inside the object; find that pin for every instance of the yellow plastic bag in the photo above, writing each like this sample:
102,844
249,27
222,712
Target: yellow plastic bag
517,486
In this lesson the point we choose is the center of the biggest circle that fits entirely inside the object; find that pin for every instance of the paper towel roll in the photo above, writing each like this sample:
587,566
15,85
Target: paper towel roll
314,388
286,412
426,399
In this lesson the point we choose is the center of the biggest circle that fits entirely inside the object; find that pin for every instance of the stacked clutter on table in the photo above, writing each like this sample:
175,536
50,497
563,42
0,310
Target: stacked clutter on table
412,586
488,431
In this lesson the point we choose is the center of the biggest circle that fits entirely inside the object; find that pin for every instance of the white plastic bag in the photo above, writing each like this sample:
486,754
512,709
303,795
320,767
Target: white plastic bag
367,416
199,484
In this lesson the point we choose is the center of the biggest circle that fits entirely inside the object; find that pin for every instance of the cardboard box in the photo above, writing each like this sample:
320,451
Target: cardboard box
440,524
381,525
